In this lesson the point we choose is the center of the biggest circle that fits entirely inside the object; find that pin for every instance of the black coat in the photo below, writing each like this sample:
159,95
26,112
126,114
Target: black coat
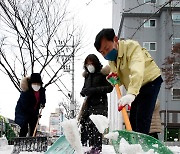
96,88
25,108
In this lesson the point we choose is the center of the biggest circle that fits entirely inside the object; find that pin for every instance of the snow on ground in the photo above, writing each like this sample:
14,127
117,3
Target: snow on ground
175,149
107,149
127,148
73,136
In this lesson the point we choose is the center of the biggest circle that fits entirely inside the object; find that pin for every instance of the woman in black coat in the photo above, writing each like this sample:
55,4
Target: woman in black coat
31,99
95,88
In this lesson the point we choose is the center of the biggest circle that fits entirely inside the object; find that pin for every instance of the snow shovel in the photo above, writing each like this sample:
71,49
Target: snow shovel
147,142
68,143
34,143
60,146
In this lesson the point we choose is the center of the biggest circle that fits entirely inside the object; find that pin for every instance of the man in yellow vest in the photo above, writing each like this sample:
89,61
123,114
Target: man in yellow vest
138,73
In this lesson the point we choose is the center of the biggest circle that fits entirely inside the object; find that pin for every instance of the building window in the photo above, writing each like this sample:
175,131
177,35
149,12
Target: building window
149,1
176,93
176,70
175,41
150,23
176,18
150,46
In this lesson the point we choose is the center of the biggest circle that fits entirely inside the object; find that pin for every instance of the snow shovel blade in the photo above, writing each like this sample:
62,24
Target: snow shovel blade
38,144
60,146
147,142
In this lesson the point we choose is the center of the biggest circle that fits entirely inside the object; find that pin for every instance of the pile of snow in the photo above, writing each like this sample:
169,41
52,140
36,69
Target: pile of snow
72,134
126,148
3,143
112,135
175,149
100,121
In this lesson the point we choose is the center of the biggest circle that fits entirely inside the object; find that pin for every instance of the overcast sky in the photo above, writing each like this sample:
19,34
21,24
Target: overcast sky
93,15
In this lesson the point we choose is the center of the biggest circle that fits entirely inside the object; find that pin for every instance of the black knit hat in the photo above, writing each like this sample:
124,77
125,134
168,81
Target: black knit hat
35,78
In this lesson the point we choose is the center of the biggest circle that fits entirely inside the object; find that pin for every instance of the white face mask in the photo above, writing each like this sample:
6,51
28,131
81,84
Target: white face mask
91,68
35,87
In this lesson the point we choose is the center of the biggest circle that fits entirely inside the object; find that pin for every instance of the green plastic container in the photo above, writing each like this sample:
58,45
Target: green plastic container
144,140
60,146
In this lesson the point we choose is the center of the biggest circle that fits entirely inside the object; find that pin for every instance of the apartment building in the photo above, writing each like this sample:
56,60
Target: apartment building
155,24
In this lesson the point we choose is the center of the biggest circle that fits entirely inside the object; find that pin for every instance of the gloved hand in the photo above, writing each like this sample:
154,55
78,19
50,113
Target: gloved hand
88,91
42,105
126,100
112,78
121,107
82,93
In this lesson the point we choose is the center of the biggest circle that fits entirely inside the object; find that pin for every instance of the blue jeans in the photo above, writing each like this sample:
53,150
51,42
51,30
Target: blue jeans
143,106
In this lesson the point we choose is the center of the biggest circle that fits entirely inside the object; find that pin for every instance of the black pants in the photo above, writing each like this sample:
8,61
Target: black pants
143,106
31,122
90,135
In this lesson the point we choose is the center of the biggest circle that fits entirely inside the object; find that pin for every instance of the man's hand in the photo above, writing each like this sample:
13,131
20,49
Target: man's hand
121,107
126,100
112,78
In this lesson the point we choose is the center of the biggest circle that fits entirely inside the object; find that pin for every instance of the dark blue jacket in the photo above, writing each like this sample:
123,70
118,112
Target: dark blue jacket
25,108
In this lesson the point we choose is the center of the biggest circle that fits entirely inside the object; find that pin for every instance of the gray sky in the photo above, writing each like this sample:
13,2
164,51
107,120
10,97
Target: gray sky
93,15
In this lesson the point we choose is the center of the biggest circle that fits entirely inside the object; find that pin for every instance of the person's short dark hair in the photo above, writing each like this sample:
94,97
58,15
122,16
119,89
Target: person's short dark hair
36,78
107,33
95,61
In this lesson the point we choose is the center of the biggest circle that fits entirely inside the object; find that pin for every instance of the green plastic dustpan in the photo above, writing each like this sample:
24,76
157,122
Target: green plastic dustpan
147,142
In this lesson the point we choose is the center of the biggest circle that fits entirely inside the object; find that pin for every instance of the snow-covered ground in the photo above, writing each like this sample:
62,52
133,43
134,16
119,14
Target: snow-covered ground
101,122
73,137
107,149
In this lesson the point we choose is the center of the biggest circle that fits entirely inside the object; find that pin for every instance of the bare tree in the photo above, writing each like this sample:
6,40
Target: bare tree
37,36
68,110
171,67
28,30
